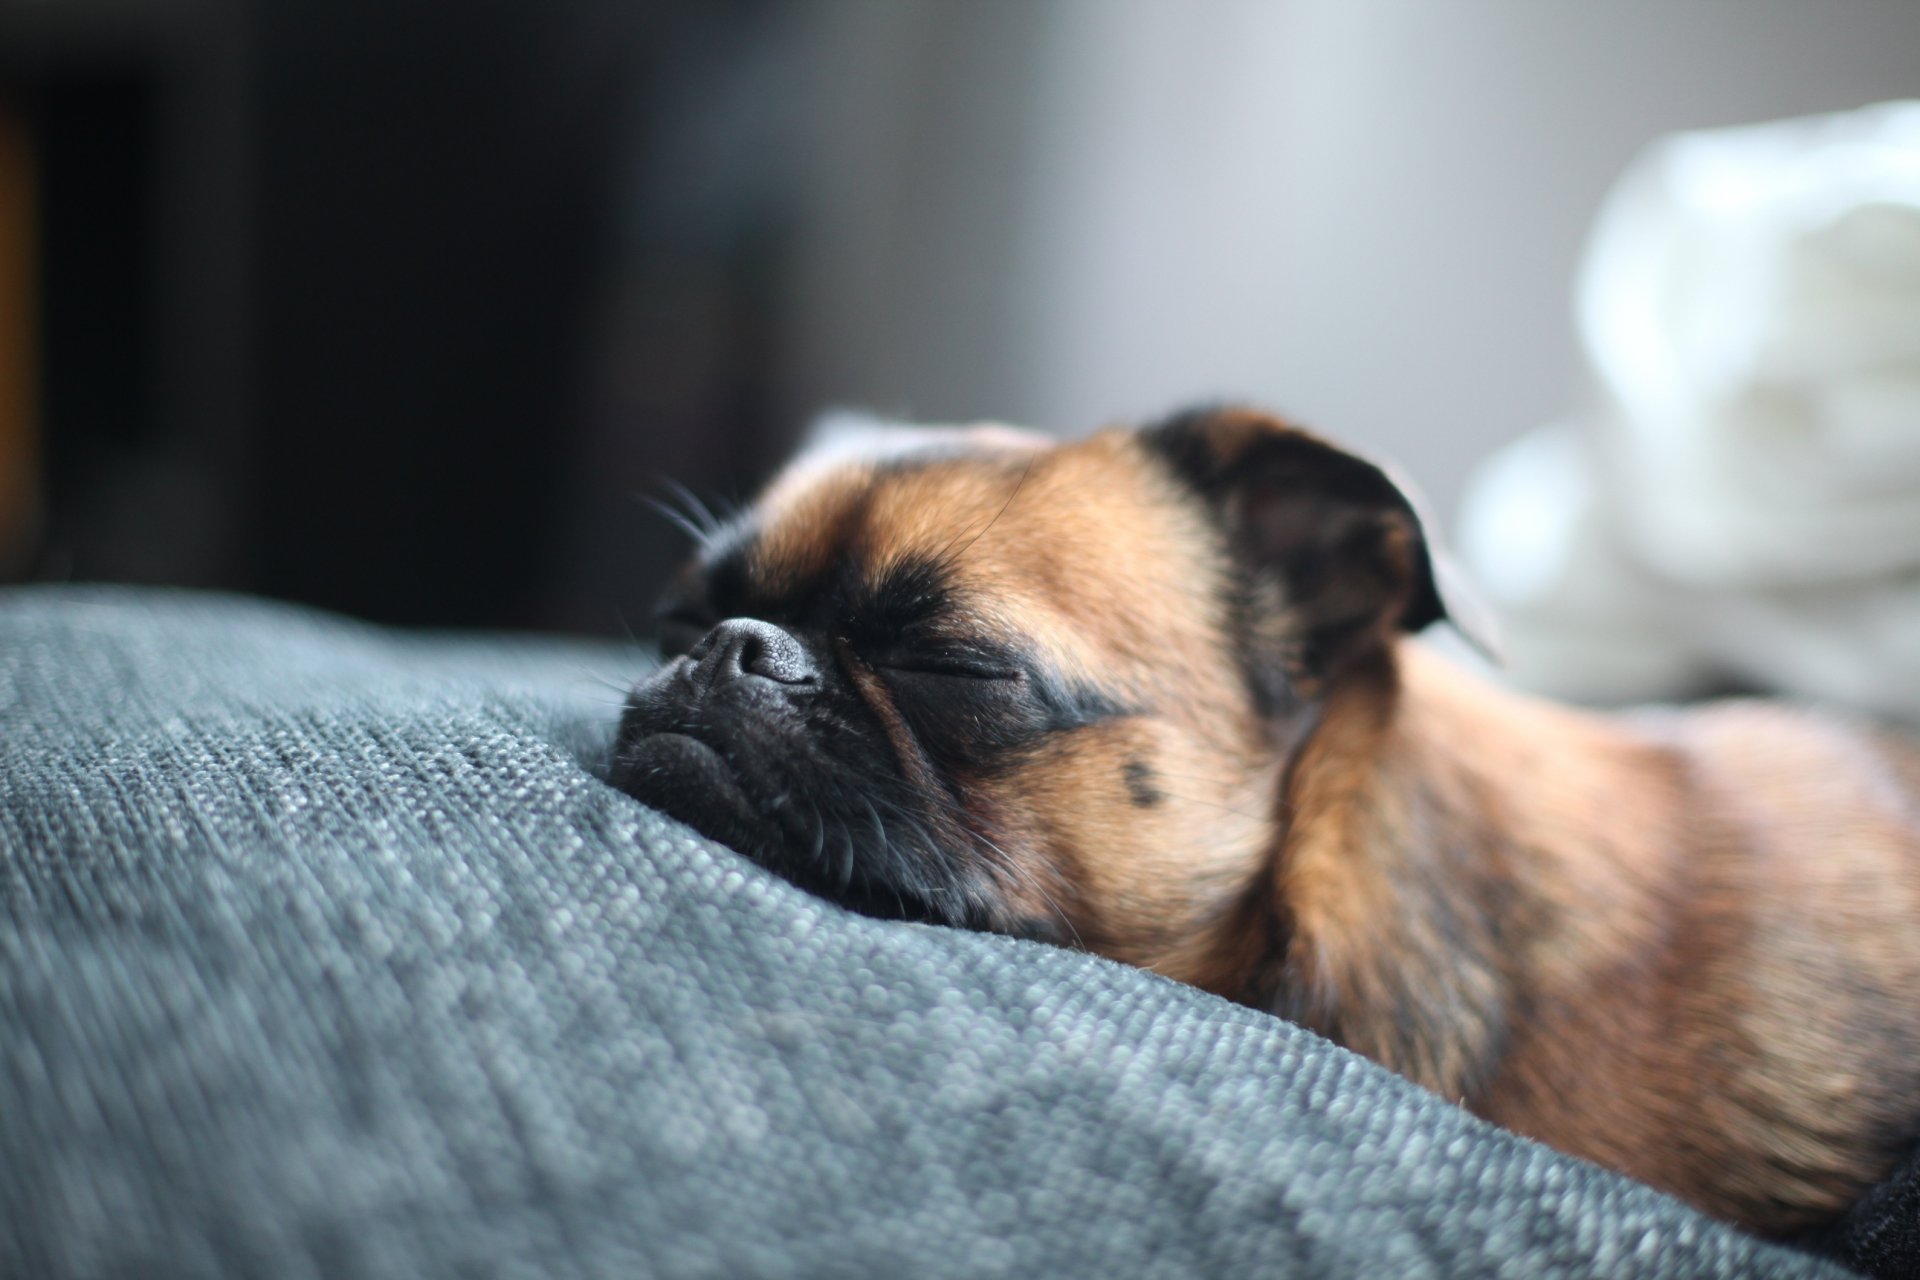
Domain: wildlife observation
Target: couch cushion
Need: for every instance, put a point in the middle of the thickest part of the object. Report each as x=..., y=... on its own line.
x=325, y=951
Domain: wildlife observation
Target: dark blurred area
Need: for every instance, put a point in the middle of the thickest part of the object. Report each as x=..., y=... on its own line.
x=405, y=310
x=318, y=300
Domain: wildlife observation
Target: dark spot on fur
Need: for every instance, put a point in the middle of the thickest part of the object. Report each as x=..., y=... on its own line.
x=1142, y=786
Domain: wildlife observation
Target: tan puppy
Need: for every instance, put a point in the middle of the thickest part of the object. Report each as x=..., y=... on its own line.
x=1150, y=694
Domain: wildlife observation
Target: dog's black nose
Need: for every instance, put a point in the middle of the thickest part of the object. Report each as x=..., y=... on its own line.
x=749, y=647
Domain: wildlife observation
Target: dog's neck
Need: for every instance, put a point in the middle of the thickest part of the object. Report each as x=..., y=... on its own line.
x=1439, y=875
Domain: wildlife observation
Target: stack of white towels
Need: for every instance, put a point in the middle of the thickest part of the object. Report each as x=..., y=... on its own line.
x=1744, y=507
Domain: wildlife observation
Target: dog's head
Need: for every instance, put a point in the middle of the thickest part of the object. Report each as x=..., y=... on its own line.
x=1041, y=689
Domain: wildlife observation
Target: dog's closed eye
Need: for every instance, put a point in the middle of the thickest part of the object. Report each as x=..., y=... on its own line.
x=950, y=664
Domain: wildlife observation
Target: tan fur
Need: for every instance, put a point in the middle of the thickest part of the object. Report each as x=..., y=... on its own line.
x=1686, y=946
x=1706, y=965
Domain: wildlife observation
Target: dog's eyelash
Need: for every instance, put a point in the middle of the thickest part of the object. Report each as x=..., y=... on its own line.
x=959, y=664
x=952, y=670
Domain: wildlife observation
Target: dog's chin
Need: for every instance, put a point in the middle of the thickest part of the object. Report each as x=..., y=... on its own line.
x=692, y=781
x=686, y=779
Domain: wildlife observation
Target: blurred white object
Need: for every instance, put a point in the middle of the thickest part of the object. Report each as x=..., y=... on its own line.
x=1748, y=501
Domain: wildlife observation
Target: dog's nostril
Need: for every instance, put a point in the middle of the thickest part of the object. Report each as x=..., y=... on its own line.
x=755, y=648
x=777, y=656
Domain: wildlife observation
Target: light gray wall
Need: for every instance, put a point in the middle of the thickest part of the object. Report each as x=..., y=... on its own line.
x=1364, y=212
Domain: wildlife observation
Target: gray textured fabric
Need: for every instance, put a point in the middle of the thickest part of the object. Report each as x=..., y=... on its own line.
x=324, y=953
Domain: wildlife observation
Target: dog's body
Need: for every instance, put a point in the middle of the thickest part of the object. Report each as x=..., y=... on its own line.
x=1149, y=694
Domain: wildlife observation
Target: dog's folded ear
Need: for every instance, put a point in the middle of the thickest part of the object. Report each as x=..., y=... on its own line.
x=1336, y=553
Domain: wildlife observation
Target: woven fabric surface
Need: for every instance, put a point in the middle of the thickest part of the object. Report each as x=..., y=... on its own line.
x=326, y=952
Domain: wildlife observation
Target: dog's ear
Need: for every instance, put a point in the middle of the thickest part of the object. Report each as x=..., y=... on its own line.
x=1335, y=554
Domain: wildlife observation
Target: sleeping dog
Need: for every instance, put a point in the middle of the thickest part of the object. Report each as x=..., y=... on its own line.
x=1152, y=694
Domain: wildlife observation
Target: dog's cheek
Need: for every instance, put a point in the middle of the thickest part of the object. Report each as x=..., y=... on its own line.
x=1147, y=829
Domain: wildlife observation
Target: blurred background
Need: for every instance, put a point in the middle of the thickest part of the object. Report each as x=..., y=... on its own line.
x=403, y=309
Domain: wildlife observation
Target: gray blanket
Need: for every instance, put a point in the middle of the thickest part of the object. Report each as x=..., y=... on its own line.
x=324, y=952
